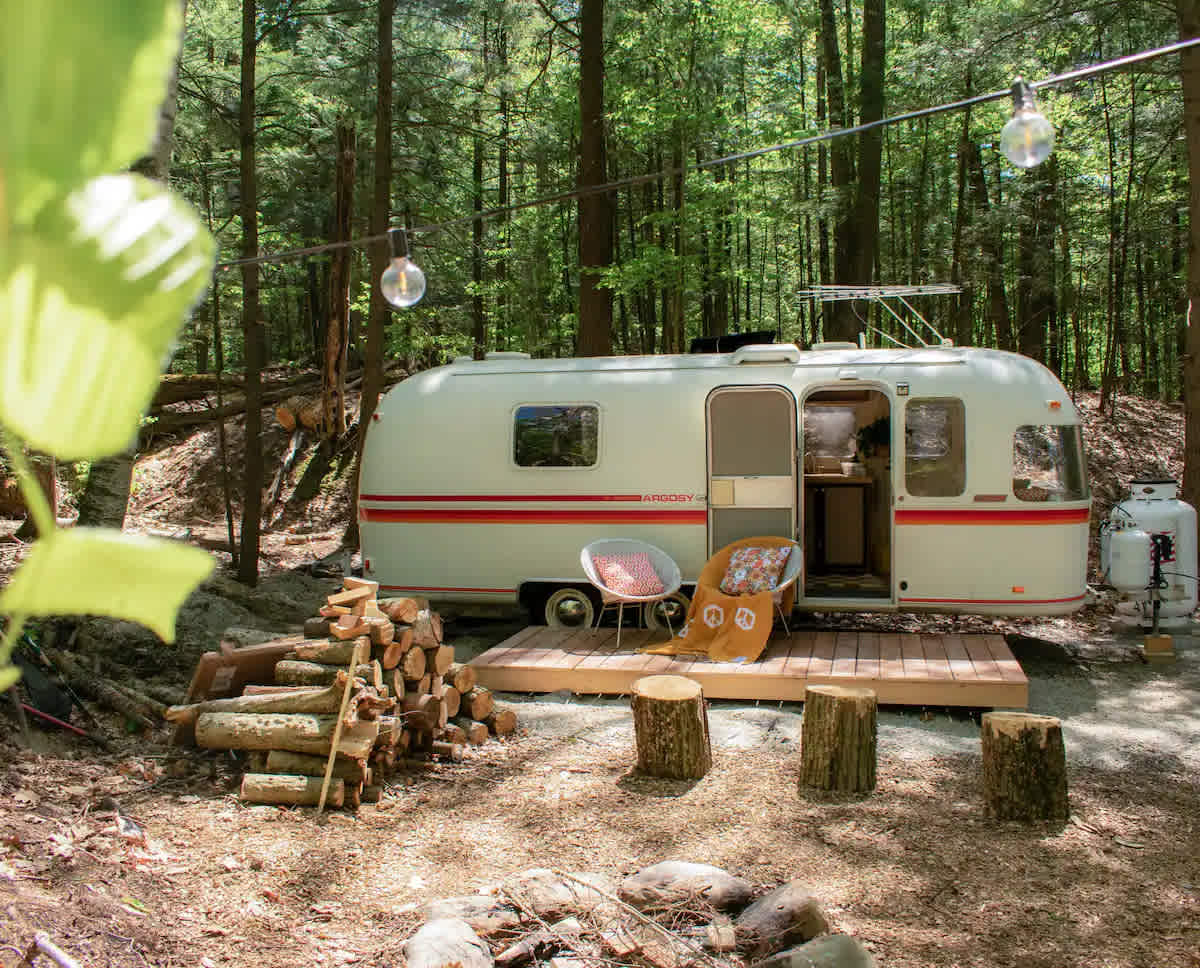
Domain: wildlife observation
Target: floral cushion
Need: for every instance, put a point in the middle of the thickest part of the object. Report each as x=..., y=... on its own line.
x=629, y=575
x=753, y=570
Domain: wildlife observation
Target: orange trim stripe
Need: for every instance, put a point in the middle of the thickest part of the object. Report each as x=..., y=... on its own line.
x=992, y=601
x=978, y=516
x=532, y=516
x=467, y=498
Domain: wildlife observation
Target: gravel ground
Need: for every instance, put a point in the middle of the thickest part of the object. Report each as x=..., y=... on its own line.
x=1114, y=713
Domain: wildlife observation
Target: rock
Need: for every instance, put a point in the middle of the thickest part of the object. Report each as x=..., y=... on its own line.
x=788, y=914
x=446, y=943
x=550, y=896
x=831, y=951
x=674, y=881
x=486, y=914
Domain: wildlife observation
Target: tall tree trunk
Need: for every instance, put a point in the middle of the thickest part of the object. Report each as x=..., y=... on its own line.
x=823, y=252
x=338, y=335
x=1035, y=261
x=866, y=231
x=252, y=476
x=840, y=323
x=595, y=210
x=106, y=495
x=380, y=254
x=1189, y=26
x=962, y=216
x=478, y=321
x=502, y=321
x=997, y=297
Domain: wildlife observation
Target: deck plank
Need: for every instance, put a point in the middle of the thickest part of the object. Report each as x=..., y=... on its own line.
x=867, y=666
x=975, y=670
x=937, y=663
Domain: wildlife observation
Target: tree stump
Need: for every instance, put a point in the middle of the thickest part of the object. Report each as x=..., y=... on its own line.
x=1024, y=767
x=838, y=739
x=670, y=723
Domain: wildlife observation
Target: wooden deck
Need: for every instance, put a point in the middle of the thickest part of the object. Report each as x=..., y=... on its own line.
x=904, y=669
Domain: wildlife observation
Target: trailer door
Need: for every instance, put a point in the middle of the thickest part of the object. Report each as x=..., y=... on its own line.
x=751, y=464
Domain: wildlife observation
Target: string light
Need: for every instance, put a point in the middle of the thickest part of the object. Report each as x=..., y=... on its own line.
x=402, y=282
x=1030, y=134
x=1028, y=138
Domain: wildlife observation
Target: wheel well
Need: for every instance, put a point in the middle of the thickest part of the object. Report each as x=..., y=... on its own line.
x=533, y=595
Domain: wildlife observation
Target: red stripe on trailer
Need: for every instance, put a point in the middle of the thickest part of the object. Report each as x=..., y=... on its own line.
x=976, y=516
x=435, y=588
x=993, y=601
x=532, y=516
x=466, y=498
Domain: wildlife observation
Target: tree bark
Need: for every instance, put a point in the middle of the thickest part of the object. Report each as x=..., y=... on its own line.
x=252, y=475
x=297, y=732
x=839, y=321
x=670, y=724
x=838, y=743
x=1189, y=26
x=866, y=216
x=338, y=336
x=301, y=701
x=595, y=210
x=1024, y=767
x=301, y=791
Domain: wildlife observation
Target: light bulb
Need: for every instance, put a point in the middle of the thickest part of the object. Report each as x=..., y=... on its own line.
x=402, y=283
x=1028, y=138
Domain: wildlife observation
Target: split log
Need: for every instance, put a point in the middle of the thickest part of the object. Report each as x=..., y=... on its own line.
x=348, y=596
x=316, y=628
x=353, y=581
x=478, y=703
x=439, y=659
x=838, y=739
x=461, y=676
x=830, y=951
x=447, y=943
x=412, y=664
x=297, y=672
x=422, y=712
x=501, y=722
x=786, y=915
x=671, y=883
x=381, y=630
x=305, y=764
x=333, y=612
x=452, y=699
x=90, y=684
x=348, y=626
x=303, y=700
x=285, y=467
x=402, y=610
x=334, y=653
x=393, y=681
x=395, y=650
x=297, y=732
x=1024, y=767
x=301, y=791
x=453, y=734
x=449, y=751
x=390, y=728
x=670, y=723
x=255, y=689
x=485, y=913
x=419, y=686
x=476, y=732
x=427, y=633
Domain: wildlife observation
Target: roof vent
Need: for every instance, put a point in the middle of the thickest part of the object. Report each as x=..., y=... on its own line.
x=833, y=345
x=767, y=353
x=506, y=355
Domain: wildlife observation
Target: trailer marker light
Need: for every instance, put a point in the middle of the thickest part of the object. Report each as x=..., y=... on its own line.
x=1054, y=404
x=1018, y=589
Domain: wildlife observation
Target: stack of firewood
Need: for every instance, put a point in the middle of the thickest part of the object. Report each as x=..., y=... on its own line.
x=372, y=676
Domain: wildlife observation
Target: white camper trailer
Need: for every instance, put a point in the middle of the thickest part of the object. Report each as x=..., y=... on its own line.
x=933, y=478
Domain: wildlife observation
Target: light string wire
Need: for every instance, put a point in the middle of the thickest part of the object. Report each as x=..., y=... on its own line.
x=1091, y=71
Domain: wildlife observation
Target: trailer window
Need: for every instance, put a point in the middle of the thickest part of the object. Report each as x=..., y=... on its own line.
x=1048, y=463
x=556, y=436
x=935, y=454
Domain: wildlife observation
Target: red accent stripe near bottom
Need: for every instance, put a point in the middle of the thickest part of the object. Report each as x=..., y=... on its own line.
x=533, y=516
x=993, y=601
x=434, y=588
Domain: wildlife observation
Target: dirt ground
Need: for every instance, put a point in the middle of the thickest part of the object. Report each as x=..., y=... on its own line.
x=184, y=875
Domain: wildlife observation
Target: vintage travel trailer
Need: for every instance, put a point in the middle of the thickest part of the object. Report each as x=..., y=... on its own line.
x=931, y=478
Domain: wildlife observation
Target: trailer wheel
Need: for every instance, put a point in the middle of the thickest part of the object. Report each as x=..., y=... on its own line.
x=570, y=608
x=674, y=606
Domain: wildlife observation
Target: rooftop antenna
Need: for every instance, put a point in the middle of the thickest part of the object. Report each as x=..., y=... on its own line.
x=880, y=294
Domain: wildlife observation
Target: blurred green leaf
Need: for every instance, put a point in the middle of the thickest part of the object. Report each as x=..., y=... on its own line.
x=99, y=571
x=8, y=677
x=80, y=89
x=93, y=294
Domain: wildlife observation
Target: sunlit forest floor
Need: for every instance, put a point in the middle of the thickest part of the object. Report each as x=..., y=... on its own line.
x=913, y=871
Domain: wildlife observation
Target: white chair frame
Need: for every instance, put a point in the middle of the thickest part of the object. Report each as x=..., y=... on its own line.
x=662, y=563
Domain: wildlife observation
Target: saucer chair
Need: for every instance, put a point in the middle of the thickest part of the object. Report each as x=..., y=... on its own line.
x=784, y=592
x=624, y=572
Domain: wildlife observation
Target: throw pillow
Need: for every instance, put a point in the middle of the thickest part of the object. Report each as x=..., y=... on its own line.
x=754, y=570
x=630, y=575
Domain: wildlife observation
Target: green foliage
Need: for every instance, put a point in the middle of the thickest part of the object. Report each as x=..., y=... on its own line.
x=97, y=271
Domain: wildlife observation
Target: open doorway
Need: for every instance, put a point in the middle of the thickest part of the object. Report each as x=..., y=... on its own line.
x=847, y=494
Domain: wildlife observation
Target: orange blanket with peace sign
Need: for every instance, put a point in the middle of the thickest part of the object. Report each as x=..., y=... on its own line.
x=728, y=628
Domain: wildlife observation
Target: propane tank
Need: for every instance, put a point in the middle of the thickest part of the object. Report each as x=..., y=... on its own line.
x=1135, y=528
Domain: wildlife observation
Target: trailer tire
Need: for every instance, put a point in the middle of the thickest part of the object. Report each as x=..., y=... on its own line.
x=655, y=620
x=569, y=607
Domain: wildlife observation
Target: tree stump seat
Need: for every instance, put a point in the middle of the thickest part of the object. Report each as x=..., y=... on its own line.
x=670, y=724
x=838, y=739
